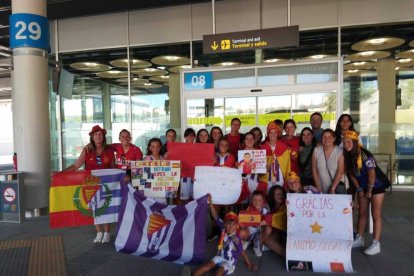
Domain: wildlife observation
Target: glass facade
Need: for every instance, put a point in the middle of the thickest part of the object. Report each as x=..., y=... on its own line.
x=148, y=103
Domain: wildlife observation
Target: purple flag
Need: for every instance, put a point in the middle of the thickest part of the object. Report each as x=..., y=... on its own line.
x=154, y=230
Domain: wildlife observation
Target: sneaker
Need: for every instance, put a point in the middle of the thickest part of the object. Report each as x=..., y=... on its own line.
x=375, y=248
x=358, y=241
x=257, y=248
x=106, y=238
x=186, y=271
x=257, y=251
x=245, y=245
x=98, y=238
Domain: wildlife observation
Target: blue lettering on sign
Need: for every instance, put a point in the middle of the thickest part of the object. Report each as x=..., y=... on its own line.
x=198, y=80
x=29, y=30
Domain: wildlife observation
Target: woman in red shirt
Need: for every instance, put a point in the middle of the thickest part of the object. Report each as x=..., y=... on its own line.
x=100, y=157
x=292, y=142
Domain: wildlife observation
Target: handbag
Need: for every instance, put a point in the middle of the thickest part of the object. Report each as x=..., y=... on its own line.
x=382, y=177
x=341, y=187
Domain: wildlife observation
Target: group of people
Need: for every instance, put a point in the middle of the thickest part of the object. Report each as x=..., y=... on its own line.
x=317, y=161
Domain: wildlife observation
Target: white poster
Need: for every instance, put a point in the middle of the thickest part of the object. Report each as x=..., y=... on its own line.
x=224, y=184
x=157, y=178
x=252, y=161
x=320, y=233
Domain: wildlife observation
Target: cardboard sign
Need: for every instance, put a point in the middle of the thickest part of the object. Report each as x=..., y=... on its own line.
x=320, y=233
x=191, y=155
x=158, y=178
x=252, y=161
x=224, y=184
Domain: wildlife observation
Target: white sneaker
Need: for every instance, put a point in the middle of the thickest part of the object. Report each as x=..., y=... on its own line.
x=245, y=245
x=106, y=238
x=257, y=251
x=375, y=248
x=98, y=238
x=358, y=242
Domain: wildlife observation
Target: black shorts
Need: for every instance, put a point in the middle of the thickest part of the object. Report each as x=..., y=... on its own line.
x=376, y=191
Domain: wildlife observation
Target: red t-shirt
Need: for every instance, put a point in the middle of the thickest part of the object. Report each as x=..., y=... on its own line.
x=293, y=146
x=234, y=143
x=123, y=160
x=92, y=161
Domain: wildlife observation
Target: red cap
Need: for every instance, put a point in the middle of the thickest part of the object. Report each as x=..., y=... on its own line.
x=97, y=128
x=231, y=216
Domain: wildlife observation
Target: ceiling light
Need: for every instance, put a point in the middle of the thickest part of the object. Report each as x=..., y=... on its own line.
x=272, y=60
x=176, y=69
x=317, y=56
x=377, y=41
x=161, y=67
x=90, y=66
x=112, y=74
x=225, y=63
x=148, y=72
x=361, y=63
x=170, y=60
x=134, y=63
x=367, y=53
x=353, y=71
x=404, y=60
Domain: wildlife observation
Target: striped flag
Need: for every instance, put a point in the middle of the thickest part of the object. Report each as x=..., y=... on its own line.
x=154, y=230
x=85, y=197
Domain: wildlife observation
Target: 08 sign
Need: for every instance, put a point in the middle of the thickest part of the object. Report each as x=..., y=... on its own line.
x=29, y=30
x=198, y=80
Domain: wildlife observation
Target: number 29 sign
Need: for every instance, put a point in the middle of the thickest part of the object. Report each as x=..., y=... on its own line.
x=29, y=30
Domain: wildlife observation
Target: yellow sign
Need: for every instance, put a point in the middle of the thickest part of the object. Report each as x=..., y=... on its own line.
x=214, y=46
x=225, y=44
x=205, y=121
x=262, y=120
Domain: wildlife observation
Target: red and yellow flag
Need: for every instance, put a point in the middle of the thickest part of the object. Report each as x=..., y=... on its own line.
x=249, y=218
x=70, y=194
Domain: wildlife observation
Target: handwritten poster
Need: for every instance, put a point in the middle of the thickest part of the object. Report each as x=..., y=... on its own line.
x=252, y=161
x=224, y=184
x=158, y=178
x=191, y=155
x=319, y=233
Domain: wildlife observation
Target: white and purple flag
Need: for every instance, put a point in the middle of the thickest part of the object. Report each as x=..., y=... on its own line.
x=154, y=230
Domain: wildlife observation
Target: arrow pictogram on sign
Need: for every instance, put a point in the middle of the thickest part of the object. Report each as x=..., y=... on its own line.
x=214, y=46
x=225, y=44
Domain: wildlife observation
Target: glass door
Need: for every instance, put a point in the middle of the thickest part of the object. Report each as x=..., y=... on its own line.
x=243, y=108
x=205, y=113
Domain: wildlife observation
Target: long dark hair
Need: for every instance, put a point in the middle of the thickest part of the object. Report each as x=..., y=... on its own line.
x=149, y=144
x=338, y=130
x=301, y=143
x=210, y=139
x=351, y=157
x=93, y=142
x=271, y=199
x=199, y=133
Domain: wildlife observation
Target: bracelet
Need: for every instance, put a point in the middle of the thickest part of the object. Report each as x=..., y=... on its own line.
x=370, y=186
x=360, y=189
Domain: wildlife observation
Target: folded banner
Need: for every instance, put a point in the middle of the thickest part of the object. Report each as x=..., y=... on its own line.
x=191, y=155
x=85, y=197
x=319, y=236
x=154, y=230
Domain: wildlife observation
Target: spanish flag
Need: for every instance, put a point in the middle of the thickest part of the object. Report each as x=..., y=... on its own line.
x=85, y=197
x=249, y=218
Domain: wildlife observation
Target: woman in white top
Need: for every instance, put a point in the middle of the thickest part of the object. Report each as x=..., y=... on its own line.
x=328, y=164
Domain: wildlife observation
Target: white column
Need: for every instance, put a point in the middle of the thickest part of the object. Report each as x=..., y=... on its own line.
x=31, y=127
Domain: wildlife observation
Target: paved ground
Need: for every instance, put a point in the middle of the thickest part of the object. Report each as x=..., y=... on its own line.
x=85, y=258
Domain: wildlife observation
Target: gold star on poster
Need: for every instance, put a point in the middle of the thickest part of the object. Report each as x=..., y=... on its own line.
x=316, y=228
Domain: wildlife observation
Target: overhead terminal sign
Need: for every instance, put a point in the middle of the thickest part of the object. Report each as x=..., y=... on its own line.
x=250, y=40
